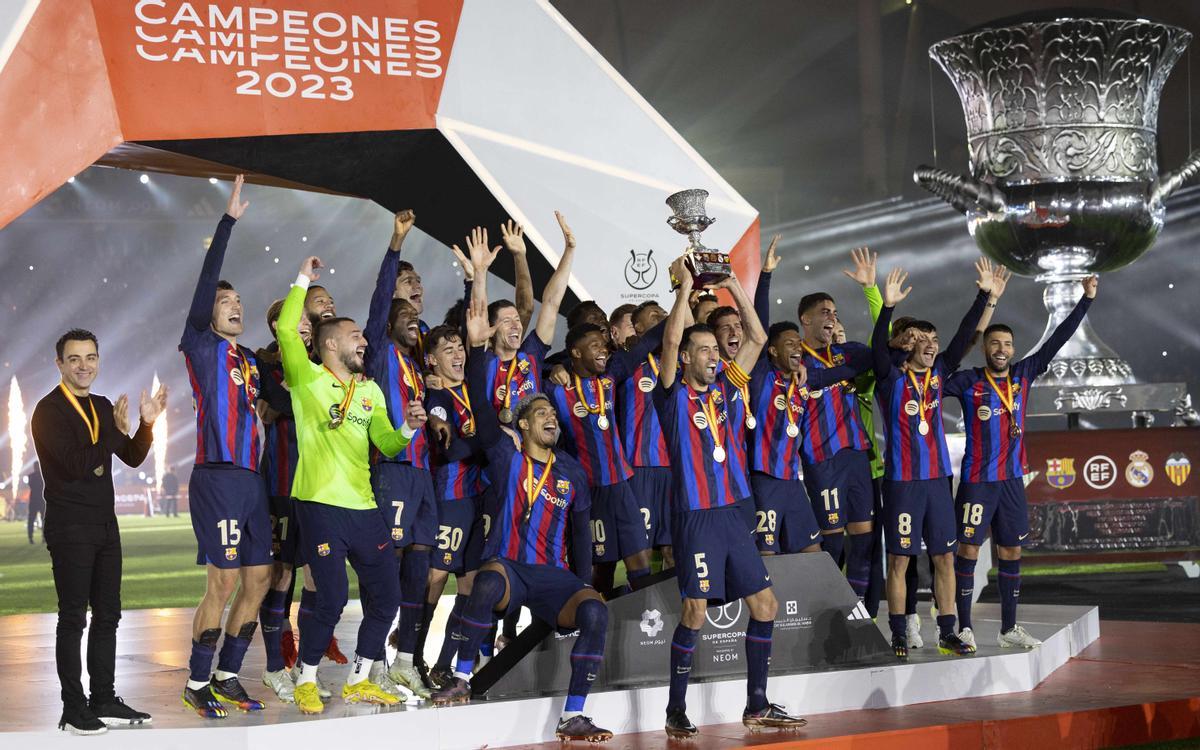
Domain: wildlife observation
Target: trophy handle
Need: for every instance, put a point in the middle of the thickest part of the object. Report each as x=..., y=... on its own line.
x=673, y=221
x=1167, y=184
x=959, y=191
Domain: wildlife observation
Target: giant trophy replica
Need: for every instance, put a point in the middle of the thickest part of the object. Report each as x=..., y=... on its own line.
x=706, y=265
x=1061, y=125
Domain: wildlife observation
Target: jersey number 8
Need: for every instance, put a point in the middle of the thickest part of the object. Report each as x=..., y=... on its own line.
x=904, y=524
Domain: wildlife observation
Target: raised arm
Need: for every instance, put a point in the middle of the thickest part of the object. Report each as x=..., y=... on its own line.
x=752, y=327
x=1066, y=329
x=200, y=313
x=952, y=357
x=676, y=323
x=556, y=287
x=298, y=369
x=894, y=291
x=623, y=363
x=385, y=284
x=762, y=292
x=487, y=425
x=513, y=235
x=1000, y=277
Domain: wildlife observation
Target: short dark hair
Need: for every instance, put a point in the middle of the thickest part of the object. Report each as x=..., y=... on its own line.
x=273, y=314
x=398, y=304
x=325, y=329
x=996, y=328
x=924, y=326
x=456, y=315
x=809, y=301
x=721, y=312
x=581, y=311
x=620, y=312
x=75, y=334
x=637, y=311
x=578, y=332
x=691, y=331
x=778, y=329
x=495, y=308
x=902, y=324
x=403, y=266
x=310, y=288
x=441, y=333
x=526, y=403
x=224, y=286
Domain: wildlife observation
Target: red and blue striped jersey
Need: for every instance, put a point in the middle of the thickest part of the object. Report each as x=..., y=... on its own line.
x=399, y=375
x=597, y=451
x=911, y=455
x=992, y=453
x=832, y=421
x=772, y=399
x=279, y=455
x=224, y=376
x=641, y=431
x=458, y=473
x=701, y=481
x=525, y=379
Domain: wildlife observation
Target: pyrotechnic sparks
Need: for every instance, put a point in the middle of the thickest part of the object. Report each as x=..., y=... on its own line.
x=160, y=440
x=16, y=434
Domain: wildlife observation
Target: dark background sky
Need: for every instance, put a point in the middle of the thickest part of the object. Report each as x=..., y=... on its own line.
x=770, y=92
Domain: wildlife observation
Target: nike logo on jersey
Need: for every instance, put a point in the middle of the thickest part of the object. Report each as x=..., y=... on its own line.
x=1022, y=537
x=382, y=546
x=951, y=542
x=814, y=536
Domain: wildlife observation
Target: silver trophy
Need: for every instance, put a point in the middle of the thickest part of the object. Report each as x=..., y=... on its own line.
x=706, y=265
x=1061, y=125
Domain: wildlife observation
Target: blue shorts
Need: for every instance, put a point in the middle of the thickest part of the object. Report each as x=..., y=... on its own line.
x=230, y=516
x=748, y=511
x=840, y=489
x=404, y=493
x=715, y=556
x=545, y=589
x=651, y=486
x=618, y=529
x=919, y=509
x=784, y=520
x=999, y=505
x=284, y=529
x=459, y=546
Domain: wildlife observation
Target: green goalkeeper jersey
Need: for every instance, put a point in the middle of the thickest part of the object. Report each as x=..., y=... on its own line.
x=334, y=466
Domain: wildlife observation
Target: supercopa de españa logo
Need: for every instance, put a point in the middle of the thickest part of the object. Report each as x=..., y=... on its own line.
x=640, y=270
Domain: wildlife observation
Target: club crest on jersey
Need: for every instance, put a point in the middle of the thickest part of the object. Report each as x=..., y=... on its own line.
x=935, y=382
x=1178, y=468
x=769, y=540
x=447, y=558
x=579, y=410
x=1060, y=472
x=323, y=549
x=1139, y=472
x=523, y=365
x=969, y=532
x=833, y=518
x=984, y=413
x=231, y=553
x=562, y=486
x=599, y=550
x=645, y=385
x=700, y=420
x=717, y=396
x=366, y=404
x=839, y=359
x=905, y=542
x=704, y=585
x=397, y=534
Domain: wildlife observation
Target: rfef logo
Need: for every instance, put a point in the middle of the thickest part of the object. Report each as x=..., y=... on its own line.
x=640, y=270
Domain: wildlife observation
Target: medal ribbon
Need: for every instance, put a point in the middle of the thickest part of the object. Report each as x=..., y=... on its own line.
x=411, y=376
x=533, y=492
x=464, y=400
x=787, y=407
x=1006, y=397
x=600, y=407
x=93, y=424
x=653, y=364
x=921, y=391
x=744, y=391
x=710, y=411
x=827, y=360
x=508, y=379
x=244, y=366
x=346, y=400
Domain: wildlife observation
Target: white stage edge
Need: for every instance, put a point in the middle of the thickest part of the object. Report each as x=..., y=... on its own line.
x=1065, y=631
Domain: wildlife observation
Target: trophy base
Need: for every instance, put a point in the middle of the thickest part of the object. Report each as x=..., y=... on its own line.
x=709, y=268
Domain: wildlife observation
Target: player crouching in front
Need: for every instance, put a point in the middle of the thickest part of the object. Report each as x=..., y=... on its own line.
x=543, y=504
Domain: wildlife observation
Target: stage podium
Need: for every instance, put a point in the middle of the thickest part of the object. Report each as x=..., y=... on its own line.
x=821, y=624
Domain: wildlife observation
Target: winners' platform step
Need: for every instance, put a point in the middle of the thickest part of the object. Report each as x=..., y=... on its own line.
x=152, y=659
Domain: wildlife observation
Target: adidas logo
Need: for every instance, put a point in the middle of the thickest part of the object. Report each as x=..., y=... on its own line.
x=859, y=612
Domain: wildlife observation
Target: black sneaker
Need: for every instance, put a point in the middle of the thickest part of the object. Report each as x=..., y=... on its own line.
x=457, y=690
x=231, y=691
x=900, y=647
x=581, y=728
x=81, y=720
x=204, y=703
x=680, y=726
x=953, y=645
x=771, y=717
x=423, y=671
x=439, y=677
x=115, y=713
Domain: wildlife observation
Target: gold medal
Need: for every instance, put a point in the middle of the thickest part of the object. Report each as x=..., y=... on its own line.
x=1015, y=431
x=1008, y=399
x=506, y=415
x=582, y=408
x=337, y=412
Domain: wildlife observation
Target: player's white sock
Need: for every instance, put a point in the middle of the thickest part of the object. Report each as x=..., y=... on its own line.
x=570, y=715
x=405, y=660
x=196, y=684
x=222, y=675
x=308, y=673
x=360, y=670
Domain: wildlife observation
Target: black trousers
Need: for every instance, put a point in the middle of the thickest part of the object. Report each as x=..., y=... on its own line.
x=87, y=571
